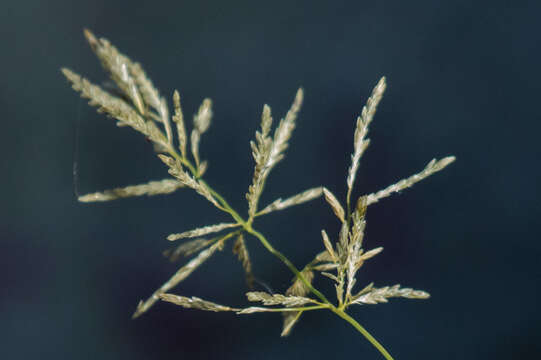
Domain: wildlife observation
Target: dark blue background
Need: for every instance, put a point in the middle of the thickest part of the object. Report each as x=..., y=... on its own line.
x=463, y=79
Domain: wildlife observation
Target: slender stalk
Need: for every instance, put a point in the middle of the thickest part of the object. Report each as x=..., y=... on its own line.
x=363, y=331
x=225, y=204
x=226, y=207
x=288, y=263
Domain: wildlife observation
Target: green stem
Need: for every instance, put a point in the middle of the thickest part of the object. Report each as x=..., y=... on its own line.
x=363, y=331
x=225, y=204
x=288, y=263
x=226, y=207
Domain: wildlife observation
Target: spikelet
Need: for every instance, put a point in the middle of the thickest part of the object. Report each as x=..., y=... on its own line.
x=187, y=249
x=261, y=152
x=369, y=254
x=150, y=94
x=432, y=167
x=267, y=153
x=201, y=122
x=259, y=309
x=240, y=249
x=334, y=204
x=359, y=142
x=290, y=320
x=298, y=288
x=132, y=81
x=284, y=130
x=354, y=251
x=180, y=275
x=342, y=248
x=328, y=246
x=195, y=303
x=165, y=186
x=203, y=166
x=380, y=295
x=178, y=119
x=330, y=276
x=298, y=199
x=325, y=267
x=278, y=299
x=201, y=231
x=193, y=246
x=254, y=309
x=114, y=107
x=119, y=68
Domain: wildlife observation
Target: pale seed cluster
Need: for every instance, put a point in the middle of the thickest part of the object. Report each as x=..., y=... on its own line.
x=141, y=107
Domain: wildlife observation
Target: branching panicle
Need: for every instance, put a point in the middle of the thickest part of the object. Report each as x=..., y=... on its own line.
x=141, y=107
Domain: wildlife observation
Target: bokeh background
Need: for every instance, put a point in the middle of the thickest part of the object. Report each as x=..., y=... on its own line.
x=463, y=79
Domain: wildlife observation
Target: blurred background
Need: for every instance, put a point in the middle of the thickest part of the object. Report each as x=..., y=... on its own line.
x=463, y=79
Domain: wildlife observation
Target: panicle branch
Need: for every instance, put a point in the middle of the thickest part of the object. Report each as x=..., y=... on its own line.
x=298, y=199
x=115, y=107
x=432, y=167
x=361, y=130
x=132, y=81
x=195, y=303
x=201, y=231
x=180, y=275
x=165, y=186
x=278, y=299
x=268, y=152
x=380, y=295
x=119, y=67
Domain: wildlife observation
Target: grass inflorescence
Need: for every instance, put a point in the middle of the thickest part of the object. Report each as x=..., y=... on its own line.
x=141, y=107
